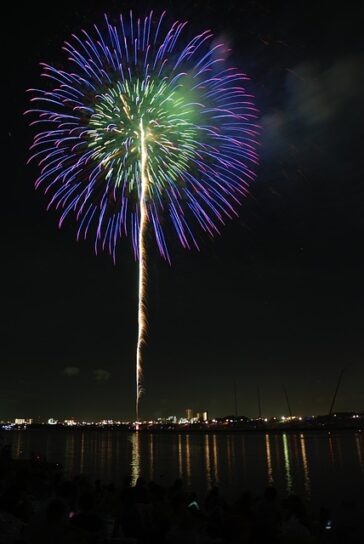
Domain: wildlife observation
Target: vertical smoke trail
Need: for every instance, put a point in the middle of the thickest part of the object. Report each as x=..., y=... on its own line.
x=142, y=323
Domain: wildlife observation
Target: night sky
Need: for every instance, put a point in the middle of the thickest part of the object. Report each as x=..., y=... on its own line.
x=276, y=301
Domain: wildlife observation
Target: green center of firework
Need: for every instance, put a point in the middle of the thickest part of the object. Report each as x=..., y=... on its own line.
x=169, y=131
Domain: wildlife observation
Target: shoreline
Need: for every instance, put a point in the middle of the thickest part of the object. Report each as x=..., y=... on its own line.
x=190, y=429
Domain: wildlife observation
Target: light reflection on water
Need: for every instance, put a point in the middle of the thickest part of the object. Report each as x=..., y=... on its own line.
x=306, y=470
x=188, y=460
x=269, y=460
x=331, y=451
x=69, y=457
x=180, y=466
x=207, y=460
x=135, y=457
x=216, y=462
x=82, y=452
x=359, y=449
x=287, y=463
x=151, y=456
x=228, y=455
x=315, y=465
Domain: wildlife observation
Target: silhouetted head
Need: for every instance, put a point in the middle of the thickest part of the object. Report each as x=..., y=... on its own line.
x=67, y=490
x=294, y=506
x=270, y=493
x=214, y=491
x=56, y=511
x=140, y=482
x=178, y=484
x=245, y=499
x=127, y=481
x=86, y=502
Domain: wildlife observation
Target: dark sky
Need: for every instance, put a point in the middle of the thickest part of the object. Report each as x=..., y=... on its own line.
x=277, y=300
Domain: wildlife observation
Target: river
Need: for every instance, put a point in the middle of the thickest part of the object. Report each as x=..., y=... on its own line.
x=322, y=468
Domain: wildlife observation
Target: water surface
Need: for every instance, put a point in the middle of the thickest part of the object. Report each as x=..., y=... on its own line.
x=322, y=468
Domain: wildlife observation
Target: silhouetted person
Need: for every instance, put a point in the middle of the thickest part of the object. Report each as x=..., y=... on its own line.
x=50, y=526
x=213, y=500
x=295, y=527
x=176, y=489
x=348, y=526
x=87, y=520
x=128, y=519
x=141, y=492
x=267, y=517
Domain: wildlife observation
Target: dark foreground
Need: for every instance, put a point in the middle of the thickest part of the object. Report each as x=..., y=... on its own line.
x=38, y=505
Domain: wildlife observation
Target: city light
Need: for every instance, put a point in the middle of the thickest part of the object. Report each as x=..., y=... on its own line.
x=197, y=421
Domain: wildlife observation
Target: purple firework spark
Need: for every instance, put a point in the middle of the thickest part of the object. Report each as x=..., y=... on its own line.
x=140, y=130
x=136, y=101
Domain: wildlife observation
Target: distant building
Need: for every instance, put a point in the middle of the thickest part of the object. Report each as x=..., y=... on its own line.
x=189, y=414
x=20, y=421
x=69, y=422
x=52, y=421
x=202, y=416
x=183, y=421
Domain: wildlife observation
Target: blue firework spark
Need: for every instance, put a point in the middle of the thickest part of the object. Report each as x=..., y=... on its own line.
x=131, y=90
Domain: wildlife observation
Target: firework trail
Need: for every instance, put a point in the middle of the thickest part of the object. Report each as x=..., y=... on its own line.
x=142, y=265
x=145, y=129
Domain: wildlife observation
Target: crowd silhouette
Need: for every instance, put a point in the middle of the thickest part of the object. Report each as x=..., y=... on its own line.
x=38, y=506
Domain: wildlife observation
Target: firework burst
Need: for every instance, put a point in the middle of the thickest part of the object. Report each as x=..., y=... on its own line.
x=142, y=127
